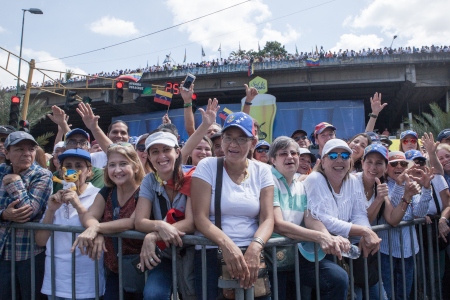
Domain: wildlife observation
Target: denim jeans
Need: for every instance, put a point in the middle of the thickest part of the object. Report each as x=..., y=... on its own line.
x=112, y=289
x=286, y=286
x=374, y=292
x=61, y=298
x=212, y=276
x=333, y=279
x=159, y=281
x=398, y=277
x=23, y=278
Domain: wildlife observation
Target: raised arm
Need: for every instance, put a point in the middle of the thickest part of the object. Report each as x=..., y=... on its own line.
x=189, y=122
x=377, y=107
x=431, y=146
x=250, y=94
x=59, y=117
x=208, y=118
x=91, y=122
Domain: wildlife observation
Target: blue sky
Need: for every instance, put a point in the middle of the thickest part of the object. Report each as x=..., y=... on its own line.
x=71, y=27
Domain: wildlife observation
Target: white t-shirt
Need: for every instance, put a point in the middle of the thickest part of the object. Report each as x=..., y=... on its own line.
x=99, y=159
x=84, y=266
x=240, y=204
x=439, y=184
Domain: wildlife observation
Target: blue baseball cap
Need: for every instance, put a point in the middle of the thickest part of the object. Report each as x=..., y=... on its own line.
x=377, y=148
x=262, y=143
x=78, y=131
x=374, y=138
x=75, y=153
x=242, y=121
x=414, y=154
x=443, y=134
x=408, y=132
x=307, y=250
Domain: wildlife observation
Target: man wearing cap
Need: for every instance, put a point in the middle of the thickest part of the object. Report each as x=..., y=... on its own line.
x=24, y=192
x=261, y=151
x=444, y=136
x=301, y=137
x=323, y=132
x=78, y=138
x=5, y=130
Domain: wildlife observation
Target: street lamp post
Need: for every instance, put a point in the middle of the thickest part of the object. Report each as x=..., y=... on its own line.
x=392, y=41
x=35, y=11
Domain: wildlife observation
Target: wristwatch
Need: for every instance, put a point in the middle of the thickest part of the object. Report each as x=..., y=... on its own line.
x=373, y=116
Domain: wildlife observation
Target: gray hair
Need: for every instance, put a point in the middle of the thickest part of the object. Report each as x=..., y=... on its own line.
x=282, y=142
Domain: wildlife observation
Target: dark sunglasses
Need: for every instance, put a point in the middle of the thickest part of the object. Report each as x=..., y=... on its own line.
x=140, y=147
x=420, y=162
x=335, y=155
x=262, y=150
x=406, y=141
x=297, y=138
x=403, y=164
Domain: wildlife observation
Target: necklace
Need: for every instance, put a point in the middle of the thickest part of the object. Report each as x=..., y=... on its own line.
x=367, y=192
x=246, y=172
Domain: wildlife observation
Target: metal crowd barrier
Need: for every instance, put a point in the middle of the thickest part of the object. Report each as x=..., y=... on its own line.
x=420, y=262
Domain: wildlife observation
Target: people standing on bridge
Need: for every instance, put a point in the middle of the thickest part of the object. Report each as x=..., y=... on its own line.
x=24, y=192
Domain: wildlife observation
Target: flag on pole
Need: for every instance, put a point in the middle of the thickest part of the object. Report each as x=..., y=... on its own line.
x=317, y=50
x=296, y=50
x=259, y=48
x=250, y=67
x=239, y=46
x=203, y=52
x=220, y=48
x=147, y=63
x=163, y=97
x=312, y=62
x=158, y=62
x=224, y=113
x=167, y=59
x=184, y=60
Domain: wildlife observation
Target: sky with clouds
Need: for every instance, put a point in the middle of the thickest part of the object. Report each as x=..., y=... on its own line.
x=71, y=27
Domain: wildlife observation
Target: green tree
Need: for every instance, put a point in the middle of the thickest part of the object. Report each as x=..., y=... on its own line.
x=68, y=75
x=432, y=122
x=274, y=48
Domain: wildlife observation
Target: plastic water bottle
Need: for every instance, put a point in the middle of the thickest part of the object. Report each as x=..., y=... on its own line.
x=353, y=253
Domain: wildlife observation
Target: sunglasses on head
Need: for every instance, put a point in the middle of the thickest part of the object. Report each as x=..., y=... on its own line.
x=262, y=150
x=420, y=162
x=140, y=147
x=403, y=164
x=335, y=155
x=412, y=141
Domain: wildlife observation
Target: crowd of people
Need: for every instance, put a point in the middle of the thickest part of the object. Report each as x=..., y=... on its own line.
x=226, y=185
x=170, y=65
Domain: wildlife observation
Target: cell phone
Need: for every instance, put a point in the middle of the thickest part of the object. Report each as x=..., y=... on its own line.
x=137, y=261
x=188, y=81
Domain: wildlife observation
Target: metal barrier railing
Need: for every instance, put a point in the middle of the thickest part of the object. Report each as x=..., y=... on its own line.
x=419, y=280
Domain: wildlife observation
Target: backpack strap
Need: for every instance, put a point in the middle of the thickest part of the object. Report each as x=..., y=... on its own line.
x=218, y=193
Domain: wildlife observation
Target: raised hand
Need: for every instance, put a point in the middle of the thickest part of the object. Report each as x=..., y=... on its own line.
x=58, y=116
x=382, y=189
x=166, y=119
x=423, y=176
x=88, y=116
x=250, y=93
x=428, y=142
x=411, y=187
x=209, y=116
x=375, y=103
x=186, y=95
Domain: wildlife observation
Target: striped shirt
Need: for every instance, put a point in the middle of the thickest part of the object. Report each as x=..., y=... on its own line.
x=417, y=209
x=34, y=189
x=291, y=199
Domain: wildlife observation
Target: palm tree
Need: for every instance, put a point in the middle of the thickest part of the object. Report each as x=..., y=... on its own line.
x=68, y=75
x=432, y=122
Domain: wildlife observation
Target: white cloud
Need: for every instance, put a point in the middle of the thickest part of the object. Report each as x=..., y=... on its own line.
x=2, y=29
x=113, y=27
x=7, y=79
x=357, y=42
x=229, y=27
x=420, y=22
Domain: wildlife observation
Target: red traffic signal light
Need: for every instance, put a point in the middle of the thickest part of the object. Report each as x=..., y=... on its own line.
x=15, y=100
x=194, y=96
x=119, y=85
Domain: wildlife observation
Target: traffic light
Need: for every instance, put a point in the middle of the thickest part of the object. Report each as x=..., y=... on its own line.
x=119, y=92
x=24, y=126
x=194, y=96
x=70, y=97
x=14, y=111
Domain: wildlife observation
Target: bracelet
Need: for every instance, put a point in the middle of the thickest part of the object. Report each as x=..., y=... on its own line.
x=259, y=241
x=247, y=103
x=373, y=115
x=443, y=218
x=186, y=105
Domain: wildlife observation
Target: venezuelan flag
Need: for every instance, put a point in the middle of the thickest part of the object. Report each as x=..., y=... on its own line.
x=312, y=62
x=224, y=113
x=163, y=97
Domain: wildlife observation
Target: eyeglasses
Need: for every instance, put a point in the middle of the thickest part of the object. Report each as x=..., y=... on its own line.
x=262, y=150
x=240, y=140
x=140, y=147
x=82, y=143
x=412, y=141
x=335, y=155
x=124, y=144
x=403, y=164
x=300, y=137
x=286, y=154
x=420, y=162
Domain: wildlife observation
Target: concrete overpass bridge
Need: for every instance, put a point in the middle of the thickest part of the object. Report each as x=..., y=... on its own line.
x=408, y=82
